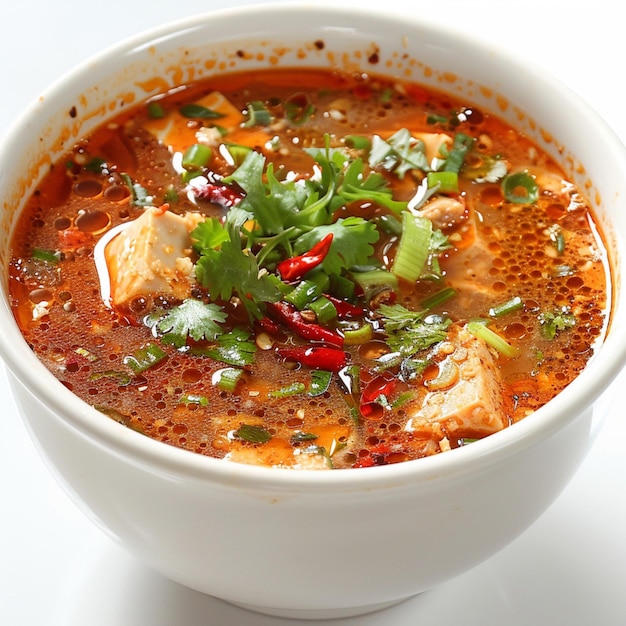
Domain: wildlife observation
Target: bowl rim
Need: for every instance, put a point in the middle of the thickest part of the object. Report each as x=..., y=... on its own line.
x=22, y=362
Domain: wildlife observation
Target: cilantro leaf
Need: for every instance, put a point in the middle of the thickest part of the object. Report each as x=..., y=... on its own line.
x=555, y=322
x=209, y=234
x=353, y=239
x=400, y=153
x=193, y=318
x=231, y=270
x=271, y=205
x=408, y=331
x=233, y=348
x=373, y=188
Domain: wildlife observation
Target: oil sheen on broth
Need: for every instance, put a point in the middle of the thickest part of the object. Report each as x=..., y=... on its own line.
x=310, y=269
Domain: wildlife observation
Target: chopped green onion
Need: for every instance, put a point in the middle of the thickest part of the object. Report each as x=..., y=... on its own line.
x=302, y=437
x=48, y=256
x=558, y=238
x=436, y=119
x=238, y=152
x=514, y=304
x=358, y=142
x=386, y=95
x=194, y=399
x=438, y=298
x=196, y=156
x=252, y=434
x=389, y=224
x=139, y=195
x=413, y=248
x=171, y=195
x=373, y=282
x=298, y=109
x=320, y=381
x=403, y=399
x=227, y=378
x=308, y=290
x=444, y=182
x=86, y=354
x=520, y=188
x=479, y=329
x=324, y=309
x=122, y=378
x=155, y=110
x=358, y=336
x=285, y=392
x=460, y=147
x=199, y=111
x=258, y=114
x=552, y=323
x=144, y=358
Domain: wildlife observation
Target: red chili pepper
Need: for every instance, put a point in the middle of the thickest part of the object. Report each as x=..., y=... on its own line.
x=316, y=357
x=379, y=386
x=346, y=309
x=298, y=266
x=221, y=194
x=377, y=455
x=288, y=315
x=268, y=325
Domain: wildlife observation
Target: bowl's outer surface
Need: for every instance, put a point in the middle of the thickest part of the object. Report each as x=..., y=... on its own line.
x=311, y=544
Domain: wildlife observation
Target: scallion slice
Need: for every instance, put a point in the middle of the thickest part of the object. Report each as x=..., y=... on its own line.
x=479, y=329
x=48, y=256
x=290, y=390
x=520, y=188
x=252, y=434
x=324, y=309
x=438, y=298
x=444, y=182
x=514, y=304
x=358, y=336
x=227, y=378
x=196, y=156
x=258, y=114
x=198, y=111
x=306, y=291
x=320, y=381
x=460, y=147
x=144, y=358
x=413, y=248
x=156, y=110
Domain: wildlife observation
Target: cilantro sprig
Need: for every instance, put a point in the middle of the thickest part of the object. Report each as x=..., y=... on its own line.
x=193, y=319
x=409, y=332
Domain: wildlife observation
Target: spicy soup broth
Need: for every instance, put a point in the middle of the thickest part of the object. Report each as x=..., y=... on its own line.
x=302, y=268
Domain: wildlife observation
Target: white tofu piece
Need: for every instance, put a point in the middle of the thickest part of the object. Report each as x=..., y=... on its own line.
x=472, y=403
x=151, y=257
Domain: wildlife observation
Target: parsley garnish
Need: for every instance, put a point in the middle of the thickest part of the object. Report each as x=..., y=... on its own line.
x=231, y=270
x=555, y=322
x=408, y=331
x=193, y=319
x=233, y=348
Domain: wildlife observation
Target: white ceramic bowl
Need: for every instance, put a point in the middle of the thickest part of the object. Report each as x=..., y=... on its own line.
x=313, y=544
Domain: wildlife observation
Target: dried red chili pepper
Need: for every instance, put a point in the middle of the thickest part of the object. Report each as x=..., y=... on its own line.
x=316, y=357
x=379, y=386
x=346, y=309
x=287, y=314
x=297, y=266
x=224, y=195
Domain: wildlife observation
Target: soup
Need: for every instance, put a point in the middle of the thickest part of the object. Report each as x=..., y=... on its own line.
x=310, y=269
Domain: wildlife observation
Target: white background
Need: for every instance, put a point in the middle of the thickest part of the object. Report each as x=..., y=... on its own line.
x=57, y=569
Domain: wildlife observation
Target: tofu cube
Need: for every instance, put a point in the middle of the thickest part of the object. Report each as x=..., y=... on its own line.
x=151, y=257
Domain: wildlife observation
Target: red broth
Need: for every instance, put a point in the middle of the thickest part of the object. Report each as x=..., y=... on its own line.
x=294, y=330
